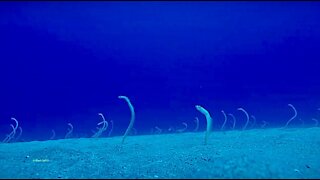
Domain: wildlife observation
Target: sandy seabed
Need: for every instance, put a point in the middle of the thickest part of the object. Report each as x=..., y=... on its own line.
x=257, y=153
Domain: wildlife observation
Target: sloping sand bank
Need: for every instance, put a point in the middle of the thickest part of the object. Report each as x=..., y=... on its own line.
x=265, y=153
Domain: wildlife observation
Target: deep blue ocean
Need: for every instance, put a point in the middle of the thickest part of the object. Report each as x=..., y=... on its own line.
x=65, y=62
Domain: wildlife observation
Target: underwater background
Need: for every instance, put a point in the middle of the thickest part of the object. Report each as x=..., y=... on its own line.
x=65, y=62
x=170, y=69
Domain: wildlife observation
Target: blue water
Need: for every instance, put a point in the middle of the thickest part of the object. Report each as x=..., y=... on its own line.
x=65, y=62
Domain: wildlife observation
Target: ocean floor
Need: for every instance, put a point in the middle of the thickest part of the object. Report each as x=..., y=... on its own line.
x=257, y=153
